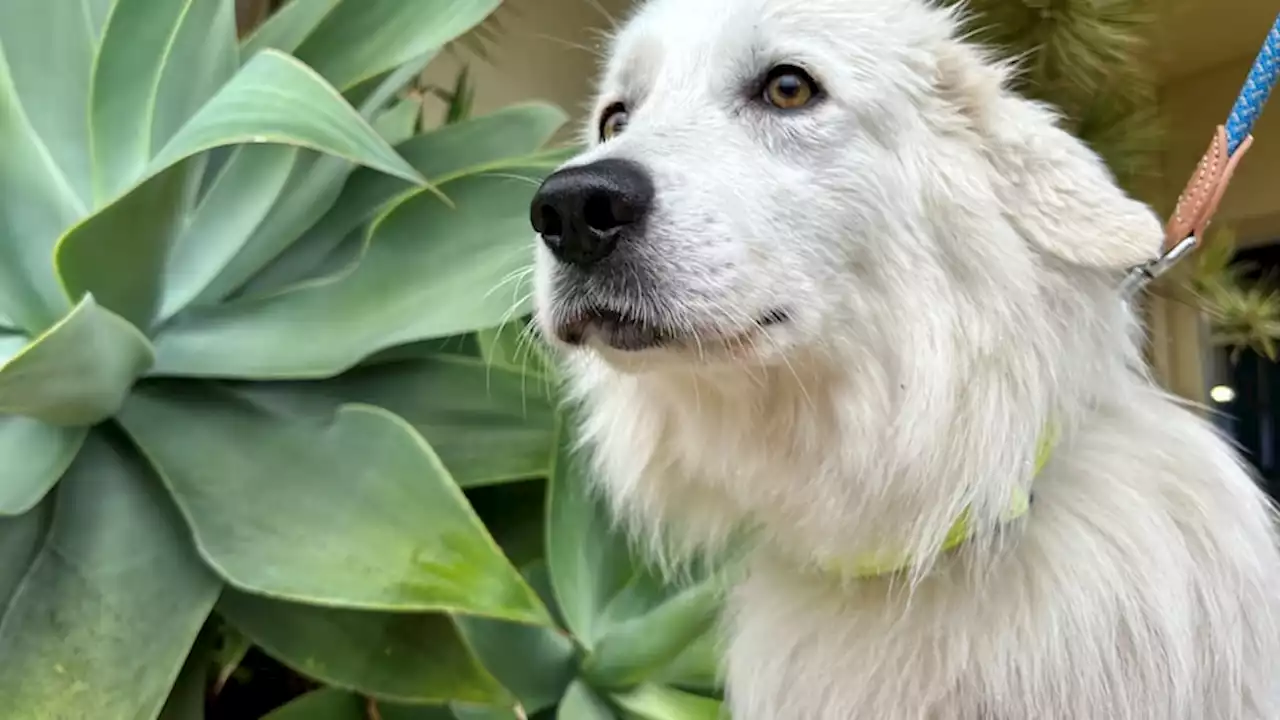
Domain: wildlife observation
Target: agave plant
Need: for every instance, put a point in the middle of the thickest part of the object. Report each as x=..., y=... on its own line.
x=249, y=366
x=623, y=644
x=1241, y=313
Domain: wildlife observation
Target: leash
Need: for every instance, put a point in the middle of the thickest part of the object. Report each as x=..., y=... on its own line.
x=1199, y=200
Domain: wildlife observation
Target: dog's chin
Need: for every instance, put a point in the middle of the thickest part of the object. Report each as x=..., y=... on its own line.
x=631, y=344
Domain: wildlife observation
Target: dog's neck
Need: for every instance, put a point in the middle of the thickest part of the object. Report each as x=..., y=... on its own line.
x=803, y=455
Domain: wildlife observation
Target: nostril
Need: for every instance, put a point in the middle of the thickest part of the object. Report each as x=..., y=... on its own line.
x=549, y=222
x=605, y=211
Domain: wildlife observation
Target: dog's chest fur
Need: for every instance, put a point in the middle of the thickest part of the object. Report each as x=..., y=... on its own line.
x=1142, y=585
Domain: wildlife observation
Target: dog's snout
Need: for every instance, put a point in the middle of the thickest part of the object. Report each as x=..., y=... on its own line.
x=581, y=212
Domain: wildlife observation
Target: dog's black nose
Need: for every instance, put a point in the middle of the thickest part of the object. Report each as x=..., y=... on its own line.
x=581, y=211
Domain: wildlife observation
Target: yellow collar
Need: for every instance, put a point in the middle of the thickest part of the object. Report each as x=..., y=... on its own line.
x=877, y=563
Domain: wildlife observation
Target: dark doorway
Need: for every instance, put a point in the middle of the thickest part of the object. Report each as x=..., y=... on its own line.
x=1250, y=402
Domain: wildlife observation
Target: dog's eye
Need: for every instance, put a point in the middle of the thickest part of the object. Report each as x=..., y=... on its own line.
x=613, y=121
x=789, y=88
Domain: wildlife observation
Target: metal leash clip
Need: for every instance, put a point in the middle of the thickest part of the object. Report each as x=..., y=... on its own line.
x=1142, y=275
x=1200, y=199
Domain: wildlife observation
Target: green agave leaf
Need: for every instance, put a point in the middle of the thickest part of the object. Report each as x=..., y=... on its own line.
x=516, y=345
x=275, y=98
x=20, y=540
x=582, y=703
x=35, y=455
x=102, y=622
x=288, y=27
x=232, y=648
x=401, y=657
x=118, y=254
x=487, y=424
x=360, y=39
x=385, y=526
x=399, y=122
x=335, y=704
x=77, y=372
x=430, y=271
x=158, y=62
x=310, y=190
x=186, y=699
x=636, y=649
x=463, y=712
x=487, y=141
x=535, y=663
x=37, y=203
x=373, y=95
x=51, y=79
x=241, y=196
x=323, y=704
x=312, y=186
x=655, y=702
x=697, y=668
x=442, y=154
x=589, y=562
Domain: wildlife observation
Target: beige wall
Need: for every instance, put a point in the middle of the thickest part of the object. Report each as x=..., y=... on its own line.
x=547, y=51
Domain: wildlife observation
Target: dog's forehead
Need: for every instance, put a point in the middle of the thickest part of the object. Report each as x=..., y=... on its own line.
x=720, y=33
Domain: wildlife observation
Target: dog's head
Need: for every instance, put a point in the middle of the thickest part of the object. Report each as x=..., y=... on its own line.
x=766, y=175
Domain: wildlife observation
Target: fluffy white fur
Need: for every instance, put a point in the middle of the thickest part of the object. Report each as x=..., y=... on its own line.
x=948, y=260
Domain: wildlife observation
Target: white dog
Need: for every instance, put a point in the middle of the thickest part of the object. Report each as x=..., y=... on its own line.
x=824, y=281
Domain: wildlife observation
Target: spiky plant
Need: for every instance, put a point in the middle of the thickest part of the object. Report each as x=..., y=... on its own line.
x=1242, y=314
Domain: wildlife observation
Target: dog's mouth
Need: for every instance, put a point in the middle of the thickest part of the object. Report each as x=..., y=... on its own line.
x=628, y=333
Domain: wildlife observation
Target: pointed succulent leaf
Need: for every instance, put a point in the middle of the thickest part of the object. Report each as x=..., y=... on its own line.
x=323, y=704
x=360, y=39
x=657, y=702
x=35, y=455
x=399, y=122
x=465, y=409
x=37, y=202
x=373, y=95
x=442, y=154
x=102, y=622
x=535, y=663
x=309, y=192
x=188, y=696
x=159, y=61
x=582, y=703
x=21, y=537
x=516, y=345
x=589, y=561
x=241, y=195
x=79, y=371
x=698, y=668
x=118, y=254
x=51, y=79
x=400, y=657
x=431, y=270
x=275, y=98
x=386, y=526
x=288, y=27
x=636, y=649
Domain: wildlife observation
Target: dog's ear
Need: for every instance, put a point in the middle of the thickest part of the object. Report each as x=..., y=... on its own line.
x=1053, y=188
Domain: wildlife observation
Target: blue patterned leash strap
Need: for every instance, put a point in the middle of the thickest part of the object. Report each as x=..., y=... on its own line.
x=1200, y=199
x=1257, y=88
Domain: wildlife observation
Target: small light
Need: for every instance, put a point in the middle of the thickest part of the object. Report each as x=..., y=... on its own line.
x=1222, y=394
